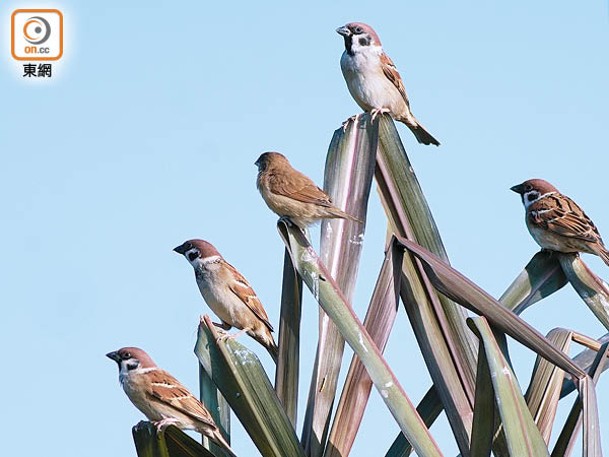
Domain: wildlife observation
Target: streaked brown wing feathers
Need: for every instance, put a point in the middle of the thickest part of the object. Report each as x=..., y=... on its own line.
x=242, y=289
x=391, y=72
x=563, y=216
x=167, y=389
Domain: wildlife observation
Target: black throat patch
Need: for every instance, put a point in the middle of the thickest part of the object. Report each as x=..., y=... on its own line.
x=349, y=44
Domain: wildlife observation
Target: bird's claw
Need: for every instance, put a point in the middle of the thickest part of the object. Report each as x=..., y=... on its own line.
x=224, y=335
x=376, y=111
x=162, y=424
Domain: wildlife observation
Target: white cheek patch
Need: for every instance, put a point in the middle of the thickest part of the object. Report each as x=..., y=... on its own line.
x=356, y=46
x=530, y=197
x=194, y=253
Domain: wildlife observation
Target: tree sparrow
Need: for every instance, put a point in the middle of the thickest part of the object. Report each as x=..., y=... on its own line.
x=374, y=81
x=161, y=397
x=556, y=222
x=228, y=293
x=289, y=193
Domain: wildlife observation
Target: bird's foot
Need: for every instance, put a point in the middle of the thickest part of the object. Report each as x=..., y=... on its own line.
x=376, y=111
x=162, y=424
x=353, y=118
x=230, y=336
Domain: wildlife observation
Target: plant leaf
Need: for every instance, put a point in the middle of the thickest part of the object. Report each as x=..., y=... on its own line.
x=330, y=297
x=543, y=392
x=217, y=407
x=541, y=277
x=453, y=284
x=429, y=408
x=592, y=289
x=286, y=375
x=171, y=442
x=379, y=321
x=586, y=400
x=240, y=377
x=348, y=178
x=497, y=390
x=447, y=345
x=584, y=360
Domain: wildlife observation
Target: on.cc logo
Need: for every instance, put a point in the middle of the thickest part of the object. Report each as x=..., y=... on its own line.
x=36, y=30
x=36, y=34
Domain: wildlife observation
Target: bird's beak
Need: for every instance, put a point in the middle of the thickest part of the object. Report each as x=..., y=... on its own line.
x=181, y=249
x=114, y=356
x=519, y=189
x=344, y=31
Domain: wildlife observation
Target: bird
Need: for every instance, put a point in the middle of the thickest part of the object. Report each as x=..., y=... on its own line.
x=373, y=79
x=228, y=294
x=556, y=222
x=161, y=397
x=289, y=193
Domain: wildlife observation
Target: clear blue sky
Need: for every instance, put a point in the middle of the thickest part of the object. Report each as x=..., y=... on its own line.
x=146, y=136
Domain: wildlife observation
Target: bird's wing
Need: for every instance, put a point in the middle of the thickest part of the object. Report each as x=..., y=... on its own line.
x=166, y=389
x=241, y=288
x=298, y=187
x=563, y=216
x=392, y=74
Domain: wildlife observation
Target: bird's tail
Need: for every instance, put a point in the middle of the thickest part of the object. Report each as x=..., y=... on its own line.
x=273, y=350
x=266, y=339
x=603, y=253
x=422, y=135
x=340, y=213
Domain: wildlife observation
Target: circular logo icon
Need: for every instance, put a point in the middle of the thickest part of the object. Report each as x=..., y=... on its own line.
x=36, y=30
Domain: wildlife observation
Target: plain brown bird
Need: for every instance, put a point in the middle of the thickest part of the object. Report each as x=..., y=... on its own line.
x=289, y=193
x=556, y=222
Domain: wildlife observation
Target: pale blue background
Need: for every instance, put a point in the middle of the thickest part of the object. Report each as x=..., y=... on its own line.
x=146, y=136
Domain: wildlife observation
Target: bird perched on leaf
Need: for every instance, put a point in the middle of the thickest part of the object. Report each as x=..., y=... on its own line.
x=289, y=193
x=228, y=293
x=161, y=397
x=374, y=81
x=556, y=222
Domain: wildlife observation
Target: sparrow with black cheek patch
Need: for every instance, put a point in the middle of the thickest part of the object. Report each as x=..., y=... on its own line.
x=289, y=193
x=161, y=397
x=374, y=81
x=556, y=222
x=228, y=293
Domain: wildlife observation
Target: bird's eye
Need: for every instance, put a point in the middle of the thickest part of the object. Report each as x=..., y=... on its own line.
x=192, y=256
x=528, y=187
x=126, y=355
x=357, y=30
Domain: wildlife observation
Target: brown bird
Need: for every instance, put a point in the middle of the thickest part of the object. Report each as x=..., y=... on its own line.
x=289, y=193
x=556, y=222
x=373, y=79
x=228, y=293
x=161, y=397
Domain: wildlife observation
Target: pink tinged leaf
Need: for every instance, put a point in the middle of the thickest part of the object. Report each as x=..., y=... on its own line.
x=348, y=178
